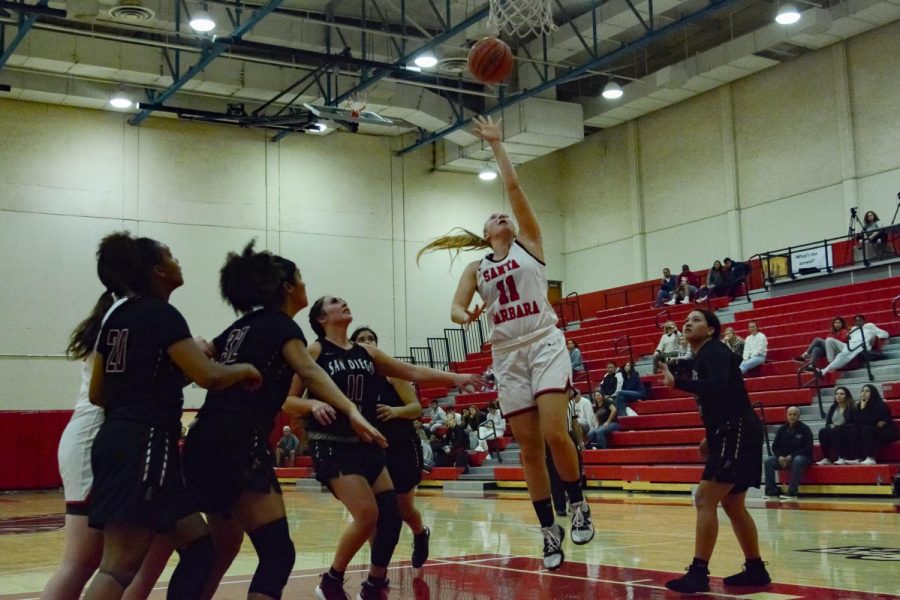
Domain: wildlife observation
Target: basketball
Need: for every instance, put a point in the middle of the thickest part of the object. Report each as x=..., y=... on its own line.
x=490, y=60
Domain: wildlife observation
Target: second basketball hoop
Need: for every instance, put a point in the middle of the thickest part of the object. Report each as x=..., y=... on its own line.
x=490, y=60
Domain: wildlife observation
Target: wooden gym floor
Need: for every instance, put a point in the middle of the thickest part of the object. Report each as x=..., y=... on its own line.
x=487, y=547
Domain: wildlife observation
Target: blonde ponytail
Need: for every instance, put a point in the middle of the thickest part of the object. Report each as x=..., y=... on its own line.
x=457, y=239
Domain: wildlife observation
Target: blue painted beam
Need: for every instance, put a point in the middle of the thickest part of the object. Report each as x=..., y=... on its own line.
x=208, y=55
x=575, y=72
x=25, y=24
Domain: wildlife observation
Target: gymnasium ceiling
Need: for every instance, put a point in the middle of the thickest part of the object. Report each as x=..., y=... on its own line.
x=266, y=58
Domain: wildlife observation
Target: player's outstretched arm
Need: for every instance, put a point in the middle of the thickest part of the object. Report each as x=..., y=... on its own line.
x=529, y=229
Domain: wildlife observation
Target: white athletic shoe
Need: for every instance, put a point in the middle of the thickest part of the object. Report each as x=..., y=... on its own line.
x=824, y=461
x=841, y=461
x=869, y=461
x=553, y=553
x=582, y=527
x=671, y=302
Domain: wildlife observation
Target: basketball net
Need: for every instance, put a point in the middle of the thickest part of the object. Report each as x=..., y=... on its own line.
x=521, y=18
x=357, y=103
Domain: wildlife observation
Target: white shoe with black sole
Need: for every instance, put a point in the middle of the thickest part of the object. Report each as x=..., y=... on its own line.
x=582, y=526
x=553, y=553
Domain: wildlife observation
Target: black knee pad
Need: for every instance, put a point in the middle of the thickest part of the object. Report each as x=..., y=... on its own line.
x=276, y=557
x=388, y=533
x=195, y=562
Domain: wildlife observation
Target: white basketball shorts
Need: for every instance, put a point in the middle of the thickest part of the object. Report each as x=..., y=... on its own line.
x=531, y=369
x=74, y=455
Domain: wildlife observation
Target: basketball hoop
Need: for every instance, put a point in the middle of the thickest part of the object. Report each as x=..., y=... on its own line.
x=521, y=18
x=357, y=103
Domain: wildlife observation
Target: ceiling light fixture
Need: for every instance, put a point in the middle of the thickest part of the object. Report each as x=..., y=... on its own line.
x=612, y=91
x=487, y=173
x=426, y=60
x=787, y=15
x=202, y=21
x=120, y=100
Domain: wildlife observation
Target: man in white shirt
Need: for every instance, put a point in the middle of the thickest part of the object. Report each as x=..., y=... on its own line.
x=755, y=348
x=438, y=416
x=584, y=413
x=862, y=333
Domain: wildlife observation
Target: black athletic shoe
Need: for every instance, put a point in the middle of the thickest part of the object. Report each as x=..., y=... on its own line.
x=753, y=575
x=370, y=591
x=695, y=580
x=330, y=588
x=420, y=548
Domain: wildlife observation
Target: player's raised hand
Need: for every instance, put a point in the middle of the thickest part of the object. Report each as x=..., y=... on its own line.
x=486, y=129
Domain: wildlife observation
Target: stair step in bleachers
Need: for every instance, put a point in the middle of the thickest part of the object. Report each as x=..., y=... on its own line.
x=651, y=454
x=443, y=473
x=817, y=295
x=655, y=437
x=688, y=404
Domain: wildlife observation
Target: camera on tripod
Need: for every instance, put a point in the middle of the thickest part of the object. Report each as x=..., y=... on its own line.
x=854, y=209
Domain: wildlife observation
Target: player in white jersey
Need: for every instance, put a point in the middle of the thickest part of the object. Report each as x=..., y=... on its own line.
x=531, y=362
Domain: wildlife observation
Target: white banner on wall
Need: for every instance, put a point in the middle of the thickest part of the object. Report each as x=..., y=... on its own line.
x=819, y=257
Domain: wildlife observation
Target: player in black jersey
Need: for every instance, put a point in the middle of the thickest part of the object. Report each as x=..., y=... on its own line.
x=732, y=449
x=397, y=408
x=228, y=461
x=144, y=353
x=354, y=470
x=83, y=546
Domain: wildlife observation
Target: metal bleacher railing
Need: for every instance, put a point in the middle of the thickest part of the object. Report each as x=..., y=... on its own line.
x=793, y=262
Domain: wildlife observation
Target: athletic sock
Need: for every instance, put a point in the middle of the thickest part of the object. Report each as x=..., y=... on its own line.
x=544, y=510
x=573, y=491
x=338, y=575
x=699, y=562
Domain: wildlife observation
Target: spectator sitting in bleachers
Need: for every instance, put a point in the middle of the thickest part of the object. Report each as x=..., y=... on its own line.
x=632, y=388
x=735, y=273
x=493, y=427
x=584, y=413
x=838, y=437
x=611, y=382
x=715, y=277
x=734, y=342
x=607, y=418
x=755, y=348
x=828, y=347
x=688, y=285
x=669, y=344
x=427, y=452
x=470, y=418
x=575, y=356
x=874, y=424
x=792, y=449
x=666, y=289
x=287, y=447
x=862, y=334
x=438, y=417
x=451, y=449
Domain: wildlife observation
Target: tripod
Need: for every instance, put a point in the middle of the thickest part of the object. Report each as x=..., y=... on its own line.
x=852, y=235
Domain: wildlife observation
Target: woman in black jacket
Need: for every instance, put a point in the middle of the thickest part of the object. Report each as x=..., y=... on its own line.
x=732, y=449
x=838, y=437
x=875, y=425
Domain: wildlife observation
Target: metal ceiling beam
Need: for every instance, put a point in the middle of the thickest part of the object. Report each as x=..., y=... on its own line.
x=25, y=23
x=379, y=74
x=209, y=54
x=713, y=7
